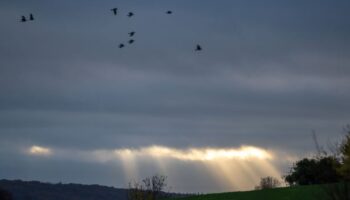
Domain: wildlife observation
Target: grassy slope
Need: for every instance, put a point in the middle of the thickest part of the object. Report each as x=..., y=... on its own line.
x=291, y=193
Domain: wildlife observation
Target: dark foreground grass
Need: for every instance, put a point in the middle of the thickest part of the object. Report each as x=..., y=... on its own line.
x=313, y=192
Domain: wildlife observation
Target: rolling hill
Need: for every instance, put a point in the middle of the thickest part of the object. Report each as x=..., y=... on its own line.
x=314, y=192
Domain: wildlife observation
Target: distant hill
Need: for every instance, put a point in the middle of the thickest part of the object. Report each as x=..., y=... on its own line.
x=34, y=190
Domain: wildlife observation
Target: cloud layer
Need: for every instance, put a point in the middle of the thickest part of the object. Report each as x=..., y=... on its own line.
x=269, y=73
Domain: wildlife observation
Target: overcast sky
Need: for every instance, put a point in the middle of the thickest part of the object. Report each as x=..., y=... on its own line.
x=270, y=72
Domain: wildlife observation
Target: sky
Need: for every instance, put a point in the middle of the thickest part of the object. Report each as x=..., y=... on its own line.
x=76, y=108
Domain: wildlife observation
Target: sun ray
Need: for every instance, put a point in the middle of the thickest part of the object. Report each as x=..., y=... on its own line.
x=234, y=168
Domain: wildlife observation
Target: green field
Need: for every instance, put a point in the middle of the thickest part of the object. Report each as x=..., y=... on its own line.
x=290, y=193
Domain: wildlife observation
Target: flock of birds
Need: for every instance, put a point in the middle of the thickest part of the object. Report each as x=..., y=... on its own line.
x=131, y=34
x=24, y=19
x=115, y=12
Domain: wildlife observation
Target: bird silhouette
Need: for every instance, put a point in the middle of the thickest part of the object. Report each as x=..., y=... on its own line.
x=198, y=48
x=132, y=33
x=131, y=41
x=169, y=12
x=130, y=14
x=31, y=17
x=23, y=19
x=121, y=46
x=114, y=10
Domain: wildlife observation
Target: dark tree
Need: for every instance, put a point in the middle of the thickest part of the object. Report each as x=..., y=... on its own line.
x=341, y=190
x=344, y=150
x=268, y=183
x=151, y=188
x=314, y=171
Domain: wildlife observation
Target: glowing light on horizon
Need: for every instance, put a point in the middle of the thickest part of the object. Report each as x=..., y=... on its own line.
x=199, y=154
x=228, y=168
x=38, y=150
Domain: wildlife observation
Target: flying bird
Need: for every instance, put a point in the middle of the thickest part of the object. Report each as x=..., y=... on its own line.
x=131, y=41
x=132, y=33
x=130, y=14
x=114, y=10
x=198, y=48
x=169, y=12
x=31, y=17
x=121, y=46
x=23, y=19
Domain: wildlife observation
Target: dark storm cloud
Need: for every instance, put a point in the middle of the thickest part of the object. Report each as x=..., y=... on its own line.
x=270, y=72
